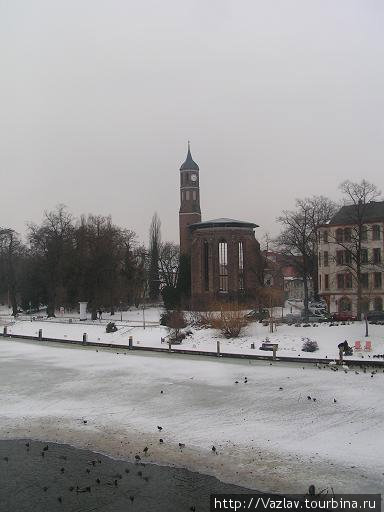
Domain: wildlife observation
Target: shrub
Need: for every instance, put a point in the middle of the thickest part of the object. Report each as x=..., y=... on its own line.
x=175, y=321
x=205, y=319
x=111, y=327
x=164, y=317
x=231, y=321
x=310, y=345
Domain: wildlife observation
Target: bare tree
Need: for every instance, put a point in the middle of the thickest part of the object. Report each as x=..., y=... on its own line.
x=298, y=238
x=11, y=252
x=51, y=243
x=154, y=254
x=358, y=200
x=169, y=258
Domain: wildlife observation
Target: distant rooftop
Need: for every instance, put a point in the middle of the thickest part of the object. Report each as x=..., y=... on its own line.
x=223, y=223
x=373, y=212
x=189, y=164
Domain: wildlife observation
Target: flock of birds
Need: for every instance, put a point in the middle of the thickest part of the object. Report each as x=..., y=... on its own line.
x=112, y=482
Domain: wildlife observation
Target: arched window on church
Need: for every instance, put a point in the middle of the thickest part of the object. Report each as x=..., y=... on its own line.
x=206, y=265
x=241, y=265
x=223, y=266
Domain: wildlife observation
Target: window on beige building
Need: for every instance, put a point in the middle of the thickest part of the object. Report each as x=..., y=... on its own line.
x=378, y=304
x=376, y=255
x=340, y=281
x=326, y=259
x=348, y=257
x=339, y=257
x=326, y=281
x=339, y=235
x=364, y=279
x=377, y=280
x=364, y=234
x=325, y=237
x=345, y=304
x=348, y=280
x=347, y=235
x=376, y=232
x=364, y=256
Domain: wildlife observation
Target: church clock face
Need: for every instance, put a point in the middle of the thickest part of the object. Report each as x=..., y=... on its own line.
x=193, y=177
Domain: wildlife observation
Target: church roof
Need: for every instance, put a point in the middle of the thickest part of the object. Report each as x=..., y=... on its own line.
x=222, y=223
x=189, y=164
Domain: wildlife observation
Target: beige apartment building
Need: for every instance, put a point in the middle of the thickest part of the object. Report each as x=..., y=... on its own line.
x=337, y=253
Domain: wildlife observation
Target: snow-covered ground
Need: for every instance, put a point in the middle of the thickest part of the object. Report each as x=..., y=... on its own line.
x=289, y=338
x=269, y=435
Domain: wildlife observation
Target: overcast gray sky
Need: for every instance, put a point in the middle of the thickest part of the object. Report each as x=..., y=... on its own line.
x=280, y=99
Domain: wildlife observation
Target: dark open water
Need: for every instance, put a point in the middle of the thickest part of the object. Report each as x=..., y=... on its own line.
x=65, y=480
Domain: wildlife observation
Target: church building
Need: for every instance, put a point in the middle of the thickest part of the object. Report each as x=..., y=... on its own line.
x=224, y=253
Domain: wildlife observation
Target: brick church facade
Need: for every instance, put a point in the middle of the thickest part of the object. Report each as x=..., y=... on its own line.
x=224, y=253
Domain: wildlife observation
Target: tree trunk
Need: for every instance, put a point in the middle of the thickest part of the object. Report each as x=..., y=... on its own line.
x=359, y=293
x=315, y=282
x=13, y=301
x=305, y=282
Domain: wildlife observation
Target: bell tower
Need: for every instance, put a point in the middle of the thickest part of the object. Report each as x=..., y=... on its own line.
x=189, y=212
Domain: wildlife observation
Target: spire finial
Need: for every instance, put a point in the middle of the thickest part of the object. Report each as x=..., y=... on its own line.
x=189, y=145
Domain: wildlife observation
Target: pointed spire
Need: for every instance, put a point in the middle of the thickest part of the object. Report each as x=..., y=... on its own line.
x=189, y=164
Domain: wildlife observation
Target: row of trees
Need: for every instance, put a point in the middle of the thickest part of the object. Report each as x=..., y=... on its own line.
x=65, y=260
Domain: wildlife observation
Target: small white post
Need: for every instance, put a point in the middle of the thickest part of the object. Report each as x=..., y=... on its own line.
x=83, y=310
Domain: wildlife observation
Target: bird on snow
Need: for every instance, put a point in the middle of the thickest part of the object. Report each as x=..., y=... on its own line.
x=45, y=448
x=159, y=428
x=314, y=399
x=214, y=449
x=137, y=457
x=85, y=422
x=334, y=400
x=145, y=449
x=161, y=441
x=309, y=398
x=181, y=445
x=62, y=470
x=97, y=480
x=280, y=388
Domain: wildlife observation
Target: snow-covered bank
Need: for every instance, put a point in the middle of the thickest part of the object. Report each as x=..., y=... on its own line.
x=267, y=438
x=289, y=338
